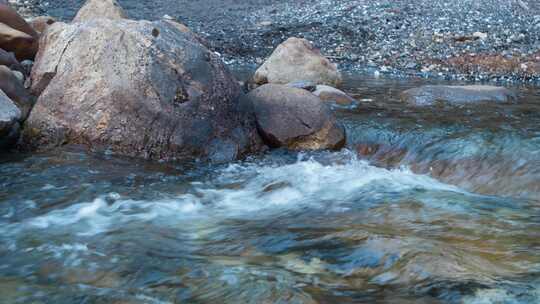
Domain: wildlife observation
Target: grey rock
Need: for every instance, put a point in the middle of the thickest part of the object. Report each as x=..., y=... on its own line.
x=27, y=66
x=137, y=88
x=19, y=76
x=13, y=87
x=456, y=95
x=295, y=119
x=8, y=59
x=10, y=116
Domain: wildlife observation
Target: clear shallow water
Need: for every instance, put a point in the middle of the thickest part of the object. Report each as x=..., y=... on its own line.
x=484, y=148
x=374, y=223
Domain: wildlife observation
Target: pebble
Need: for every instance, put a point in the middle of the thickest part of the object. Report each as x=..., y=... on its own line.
x=397, y=37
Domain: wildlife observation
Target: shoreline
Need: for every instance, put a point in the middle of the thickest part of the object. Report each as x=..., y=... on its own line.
x=478, y=41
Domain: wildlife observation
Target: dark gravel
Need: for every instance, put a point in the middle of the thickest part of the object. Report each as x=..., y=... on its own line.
x=401, y=37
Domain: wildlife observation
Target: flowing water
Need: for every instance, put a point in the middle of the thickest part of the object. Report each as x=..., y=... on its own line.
x=436, y=205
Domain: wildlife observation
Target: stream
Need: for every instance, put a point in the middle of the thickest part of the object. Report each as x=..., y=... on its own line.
x=425, y=205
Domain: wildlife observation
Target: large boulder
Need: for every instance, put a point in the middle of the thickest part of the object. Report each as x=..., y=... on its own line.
x=456, y=95
x=96, y=9
x=10, y=116
x=137, y=88
x=295, y=119
x=297, y=60
x=13, y=87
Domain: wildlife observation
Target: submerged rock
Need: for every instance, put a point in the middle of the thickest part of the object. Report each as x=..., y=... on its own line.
x=431, y=94
x=330, y=94
x=10, y=116
x=100, y=9
x=137, y=88
x=297, y=60
x=295, y=119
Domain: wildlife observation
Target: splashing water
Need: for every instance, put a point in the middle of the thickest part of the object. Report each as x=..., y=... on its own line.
x=306, y=228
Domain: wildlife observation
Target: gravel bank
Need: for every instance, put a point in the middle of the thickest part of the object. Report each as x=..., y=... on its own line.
x=463, y=39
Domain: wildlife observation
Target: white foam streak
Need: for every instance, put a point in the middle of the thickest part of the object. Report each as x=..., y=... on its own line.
x=259, y=190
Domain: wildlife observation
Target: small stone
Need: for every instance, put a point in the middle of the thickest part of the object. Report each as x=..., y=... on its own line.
x=265, y=23
x=480, y=35
x=19, y=75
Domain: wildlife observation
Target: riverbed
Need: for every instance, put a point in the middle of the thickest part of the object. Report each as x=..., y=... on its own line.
x=425, y=205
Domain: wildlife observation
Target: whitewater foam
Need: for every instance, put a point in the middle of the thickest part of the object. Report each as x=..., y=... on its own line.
x=249, y=189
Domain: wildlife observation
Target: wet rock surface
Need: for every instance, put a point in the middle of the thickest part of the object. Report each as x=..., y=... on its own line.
x=456, y=95
x=420, y=37
x=157, y=94
x=295, y=119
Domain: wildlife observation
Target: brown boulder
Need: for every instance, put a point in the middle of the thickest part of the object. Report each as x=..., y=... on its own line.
x=11, y=18
x=456, y=95
x=12, y=86
x=21, y=44
x=295, y=119
x=297, y=60
x=100, y=9
x=137, y=88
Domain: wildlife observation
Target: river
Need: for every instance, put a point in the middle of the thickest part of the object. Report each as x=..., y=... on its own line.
x=426, y=205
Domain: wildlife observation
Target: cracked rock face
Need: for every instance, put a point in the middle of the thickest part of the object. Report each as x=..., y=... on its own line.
x=295, y=119
x=136, y=88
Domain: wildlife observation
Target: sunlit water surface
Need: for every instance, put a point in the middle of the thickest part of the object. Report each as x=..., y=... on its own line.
x=437, y=205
